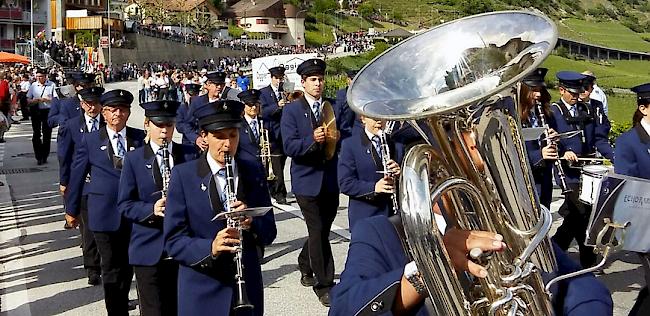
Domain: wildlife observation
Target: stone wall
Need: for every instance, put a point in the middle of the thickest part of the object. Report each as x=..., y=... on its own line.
x=153, y=49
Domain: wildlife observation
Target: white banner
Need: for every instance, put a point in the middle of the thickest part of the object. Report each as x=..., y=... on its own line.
x=261, y=76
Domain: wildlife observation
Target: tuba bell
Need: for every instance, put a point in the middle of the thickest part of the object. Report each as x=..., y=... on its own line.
x=455, y=85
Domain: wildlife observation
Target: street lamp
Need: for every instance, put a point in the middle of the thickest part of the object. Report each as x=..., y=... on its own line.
x=295, y=28
x=108, y=12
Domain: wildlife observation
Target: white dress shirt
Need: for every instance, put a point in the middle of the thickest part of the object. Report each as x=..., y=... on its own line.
x=38, y=90
x=250, y=122
x=645, y=125
x=221, y=181
x=573, y=109
x=155, y=149
x=89, y=122
x=598, y=94
x=311, y=100
x=111, y=137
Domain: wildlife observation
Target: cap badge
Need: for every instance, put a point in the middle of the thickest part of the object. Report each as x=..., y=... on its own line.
x=121, y=93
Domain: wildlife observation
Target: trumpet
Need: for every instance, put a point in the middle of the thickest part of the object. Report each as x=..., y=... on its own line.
x=558, y=165
x=241, y=301
x=265, y=151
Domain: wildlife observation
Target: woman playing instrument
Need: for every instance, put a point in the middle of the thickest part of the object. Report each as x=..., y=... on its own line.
x=204, y=246
x=362, y=171
x=633, y=159
x=541, y=152
x=141, y=200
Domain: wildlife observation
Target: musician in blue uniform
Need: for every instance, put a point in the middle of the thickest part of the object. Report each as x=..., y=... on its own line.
x=68, y=108
x=348, y=117
x=70, y=134
x=541, y=153
x=204, y=247
x=273, y=99
x=216, y=90
x=101, y=154
x=145, y=175
x=633, y=159
x=360, y=172
x=251, y=129
x=379, y=279
x=191, y=91
x=572, y=115
x=250, y=134
x=601, y=122
x=313, y=177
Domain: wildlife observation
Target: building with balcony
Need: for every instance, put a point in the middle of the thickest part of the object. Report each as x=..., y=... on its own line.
x=277, y=22
x=15, y=21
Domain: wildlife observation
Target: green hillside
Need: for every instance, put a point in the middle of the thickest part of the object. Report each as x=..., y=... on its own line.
x=607, y=33
x=623, y=24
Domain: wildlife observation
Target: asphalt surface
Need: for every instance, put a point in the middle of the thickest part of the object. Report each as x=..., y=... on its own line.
x=41, y=270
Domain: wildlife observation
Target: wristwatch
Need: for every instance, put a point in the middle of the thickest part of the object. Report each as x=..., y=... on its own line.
x=412, y=274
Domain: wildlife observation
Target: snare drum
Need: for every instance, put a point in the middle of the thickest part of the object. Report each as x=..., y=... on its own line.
x=590, y=179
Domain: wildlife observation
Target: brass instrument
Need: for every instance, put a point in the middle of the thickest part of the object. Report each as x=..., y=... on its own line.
x=385, y=159
x=331, y=132
x=557, y=164
x=456, y=86
x=241, y=300
x=265, y=151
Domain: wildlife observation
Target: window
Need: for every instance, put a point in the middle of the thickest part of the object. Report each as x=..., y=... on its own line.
x=262, y=21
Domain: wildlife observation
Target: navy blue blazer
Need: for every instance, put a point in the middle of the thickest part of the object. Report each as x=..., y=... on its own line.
x=186, y=123
x=633, y=153
x=140, y=187
x=205, y=284
x=249, y=146
x=358, y=168
x=271, y=114
x=310, y=172
x=348, y=117
x=95, y=155
x=593, y=139
x=542, y=170
x=70, y=134
x=375, y=266
x=63, y=110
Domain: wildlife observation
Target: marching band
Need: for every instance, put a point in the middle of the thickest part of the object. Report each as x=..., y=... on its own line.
x=191, y=220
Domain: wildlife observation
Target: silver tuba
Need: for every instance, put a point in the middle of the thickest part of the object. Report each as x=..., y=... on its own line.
x=455, y=85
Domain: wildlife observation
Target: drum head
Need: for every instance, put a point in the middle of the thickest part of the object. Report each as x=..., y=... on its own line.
x=595, y=169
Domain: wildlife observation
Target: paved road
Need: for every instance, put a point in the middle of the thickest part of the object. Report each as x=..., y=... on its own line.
x=40, y=262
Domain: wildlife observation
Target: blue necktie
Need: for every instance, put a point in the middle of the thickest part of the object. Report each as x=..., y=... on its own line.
x=163, y=165
x=572, y=110
x=93, y=125
x=120, y=146
x=377, y=144
x=316, y=109
x=224, y=198
x=254, y=129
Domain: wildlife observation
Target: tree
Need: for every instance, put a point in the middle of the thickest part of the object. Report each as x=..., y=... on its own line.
x=471, y=7
x=366, y=10
x=325, y=5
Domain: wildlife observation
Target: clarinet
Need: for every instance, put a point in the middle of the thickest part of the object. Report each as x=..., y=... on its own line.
x=558, y=165
x=385, y=158
x=166, y=172
x=241, y=301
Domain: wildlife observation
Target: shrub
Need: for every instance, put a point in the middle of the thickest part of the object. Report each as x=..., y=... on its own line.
x=618, y=129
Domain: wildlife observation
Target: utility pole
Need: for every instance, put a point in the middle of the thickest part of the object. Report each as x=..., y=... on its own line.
x=31, y=23
x=109, y=33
